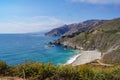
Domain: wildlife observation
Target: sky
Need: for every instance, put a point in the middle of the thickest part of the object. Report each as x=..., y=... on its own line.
x=24, y=16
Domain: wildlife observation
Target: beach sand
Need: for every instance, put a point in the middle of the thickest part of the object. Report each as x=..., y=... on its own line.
x=86, y=57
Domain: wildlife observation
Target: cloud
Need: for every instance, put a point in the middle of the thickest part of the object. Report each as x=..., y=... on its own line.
x=29, y=24
x=98, y=1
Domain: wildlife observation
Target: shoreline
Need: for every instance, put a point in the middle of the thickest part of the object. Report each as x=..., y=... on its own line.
x=73, y=58
x=84, y=57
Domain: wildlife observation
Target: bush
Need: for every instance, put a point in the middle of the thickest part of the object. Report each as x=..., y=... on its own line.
x=3, y=68
x=38, y=71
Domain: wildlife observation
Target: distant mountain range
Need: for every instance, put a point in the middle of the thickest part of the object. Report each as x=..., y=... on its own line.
x=75, y=27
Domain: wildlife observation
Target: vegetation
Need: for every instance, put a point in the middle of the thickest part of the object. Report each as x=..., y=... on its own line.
x=38, y=71
x=113, y=57
x=105, y=38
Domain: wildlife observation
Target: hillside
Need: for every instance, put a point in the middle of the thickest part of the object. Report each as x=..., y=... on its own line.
x=76, y=27
x=105, y=38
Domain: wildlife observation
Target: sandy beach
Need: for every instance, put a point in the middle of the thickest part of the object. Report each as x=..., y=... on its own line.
x=86, y=57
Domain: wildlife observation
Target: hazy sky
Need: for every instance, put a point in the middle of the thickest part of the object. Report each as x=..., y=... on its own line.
x=22, y=16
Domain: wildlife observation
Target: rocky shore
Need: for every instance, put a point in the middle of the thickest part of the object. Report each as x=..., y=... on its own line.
x=83, y=56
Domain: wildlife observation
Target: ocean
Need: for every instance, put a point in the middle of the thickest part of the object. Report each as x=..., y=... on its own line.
x=16, y=49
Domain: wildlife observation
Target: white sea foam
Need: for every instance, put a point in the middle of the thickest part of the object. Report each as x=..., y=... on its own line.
x=72, y=59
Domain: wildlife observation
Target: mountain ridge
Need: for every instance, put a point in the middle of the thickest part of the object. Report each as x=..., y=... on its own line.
x=75, y=27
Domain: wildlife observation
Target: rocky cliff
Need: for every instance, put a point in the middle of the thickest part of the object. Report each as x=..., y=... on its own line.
x=105, y=38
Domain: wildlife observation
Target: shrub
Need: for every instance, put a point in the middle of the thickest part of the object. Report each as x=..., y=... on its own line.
x=3, y=68
x=38, y=71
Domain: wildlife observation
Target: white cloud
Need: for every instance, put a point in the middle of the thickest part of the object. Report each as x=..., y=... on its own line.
x=98, y=1
x=29, y=24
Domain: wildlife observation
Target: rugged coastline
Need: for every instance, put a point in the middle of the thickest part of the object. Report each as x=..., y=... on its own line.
x=83, y=56
x=105, y=38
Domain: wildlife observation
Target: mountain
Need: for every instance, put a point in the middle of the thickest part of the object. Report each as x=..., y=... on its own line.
x=105, y=37
x=76, y=27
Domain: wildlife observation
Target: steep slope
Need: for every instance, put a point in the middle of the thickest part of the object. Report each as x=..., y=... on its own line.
x=105, y=38
x=73, y=28
x=58, y=31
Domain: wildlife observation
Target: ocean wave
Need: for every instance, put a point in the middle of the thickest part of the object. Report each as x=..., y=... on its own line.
x=72, y=59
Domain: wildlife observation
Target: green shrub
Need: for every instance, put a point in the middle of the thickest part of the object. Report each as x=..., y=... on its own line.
x=67, y=72
x=3, y=68
x=38, y=71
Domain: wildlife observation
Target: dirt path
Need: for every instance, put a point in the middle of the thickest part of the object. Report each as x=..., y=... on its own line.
x=110, y=50
x=103, y=64
x=11, y=78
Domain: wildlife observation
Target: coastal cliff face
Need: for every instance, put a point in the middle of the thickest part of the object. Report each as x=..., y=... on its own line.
x=76, y=27
x=105, y=38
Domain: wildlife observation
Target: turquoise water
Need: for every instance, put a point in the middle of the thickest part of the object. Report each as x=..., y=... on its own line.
x=19, y=48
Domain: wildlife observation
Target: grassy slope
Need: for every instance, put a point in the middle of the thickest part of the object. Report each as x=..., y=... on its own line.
x=103, y=38
x=38, y=71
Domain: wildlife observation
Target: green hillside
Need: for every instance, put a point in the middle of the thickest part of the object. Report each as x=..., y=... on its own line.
x=105, y=38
